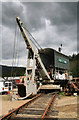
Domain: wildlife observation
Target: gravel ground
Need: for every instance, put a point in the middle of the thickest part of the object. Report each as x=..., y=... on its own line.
x=66, y=106
x=8, y=105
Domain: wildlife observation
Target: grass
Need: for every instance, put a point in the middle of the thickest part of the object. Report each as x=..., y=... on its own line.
x=62, y=93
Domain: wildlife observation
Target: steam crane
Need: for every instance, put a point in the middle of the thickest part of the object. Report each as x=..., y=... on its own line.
x=30, y=85
x=43, y=59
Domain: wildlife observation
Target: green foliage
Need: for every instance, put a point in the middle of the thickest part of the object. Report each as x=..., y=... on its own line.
x=74, y=65
x=8, y=71
x=62, y=93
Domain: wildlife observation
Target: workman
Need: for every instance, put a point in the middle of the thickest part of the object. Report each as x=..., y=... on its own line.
x=50, y=71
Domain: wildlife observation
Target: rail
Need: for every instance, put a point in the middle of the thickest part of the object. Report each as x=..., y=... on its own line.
x=37, y=109
x=45, y=113
x=20, y=107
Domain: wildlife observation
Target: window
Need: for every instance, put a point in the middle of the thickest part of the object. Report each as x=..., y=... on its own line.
x=6, y=84
x=9, y=84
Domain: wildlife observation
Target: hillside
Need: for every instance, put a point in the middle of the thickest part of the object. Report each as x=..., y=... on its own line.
x=18, y=71
x=74, y=65
x=11, y=71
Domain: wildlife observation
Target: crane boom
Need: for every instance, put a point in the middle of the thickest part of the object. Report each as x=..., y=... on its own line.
x=33, y=52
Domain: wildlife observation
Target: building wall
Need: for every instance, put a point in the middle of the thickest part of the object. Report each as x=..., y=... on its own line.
x=61, y=61
x=51, y=57
x=47, y=57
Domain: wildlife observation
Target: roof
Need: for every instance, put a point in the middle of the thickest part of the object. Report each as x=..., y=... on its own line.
x=49, y=50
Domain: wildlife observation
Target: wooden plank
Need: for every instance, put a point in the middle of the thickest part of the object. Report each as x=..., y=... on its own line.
x=50, y=87
x=33, y=109
x=27, y=116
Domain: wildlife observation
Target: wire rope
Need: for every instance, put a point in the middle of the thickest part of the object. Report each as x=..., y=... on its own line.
x=33, y=39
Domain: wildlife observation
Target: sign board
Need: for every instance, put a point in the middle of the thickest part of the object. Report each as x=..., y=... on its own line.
x=62, y=61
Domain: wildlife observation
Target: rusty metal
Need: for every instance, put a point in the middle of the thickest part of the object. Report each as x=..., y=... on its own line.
x=72, y=87
x=37, y=109
x=20, y=107
x=46, y=110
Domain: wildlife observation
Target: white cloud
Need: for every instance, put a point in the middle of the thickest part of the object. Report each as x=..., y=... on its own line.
x=21, y=62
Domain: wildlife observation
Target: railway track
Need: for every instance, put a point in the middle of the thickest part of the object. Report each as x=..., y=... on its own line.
x=39, y=107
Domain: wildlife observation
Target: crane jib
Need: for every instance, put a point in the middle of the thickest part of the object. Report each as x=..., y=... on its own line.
x=32, y=50
x=19, y=24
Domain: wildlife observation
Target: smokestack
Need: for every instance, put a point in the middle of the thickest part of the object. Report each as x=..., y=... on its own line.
x=60, y=48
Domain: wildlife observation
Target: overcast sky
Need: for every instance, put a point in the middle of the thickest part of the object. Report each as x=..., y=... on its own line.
x=50, y=23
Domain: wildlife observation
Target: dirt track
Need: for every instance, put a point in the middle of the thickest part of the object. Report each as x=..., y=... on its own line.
x=8, y=105
x=66, y=106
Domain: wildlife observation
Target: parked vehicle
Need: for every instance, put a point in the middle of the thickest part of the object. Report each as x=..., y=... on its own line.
x=5, y=86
